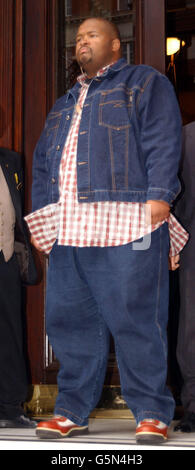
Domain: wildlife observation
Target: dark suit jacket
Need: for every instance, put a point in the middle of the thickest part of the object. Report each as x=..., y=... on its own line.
x=11, y=165
x=185, y=206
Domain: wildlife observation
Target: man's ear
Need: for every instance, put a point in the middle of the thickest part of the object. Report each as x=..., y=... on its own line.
x=116, y=45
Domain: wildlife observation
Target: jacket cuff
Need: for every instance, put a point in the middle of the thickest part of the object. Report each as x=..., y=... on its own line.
x=160, y=194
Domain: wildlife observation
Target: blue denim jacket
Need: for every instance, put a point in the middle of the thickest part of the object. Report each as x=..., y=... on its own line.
x=129, y=141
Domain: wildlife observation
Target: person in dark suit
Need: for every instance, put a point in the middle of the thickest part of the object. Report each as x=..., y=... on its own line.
x=185, y=211
x=16, y=267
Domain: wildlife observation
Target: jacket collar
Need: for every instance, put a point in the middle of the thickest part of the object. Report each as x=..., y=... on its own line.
x=111, y=70
x=119, y=65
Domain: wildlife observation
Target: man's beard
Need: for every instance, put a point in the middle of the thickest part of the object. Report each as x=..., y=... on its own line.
x=84, y=60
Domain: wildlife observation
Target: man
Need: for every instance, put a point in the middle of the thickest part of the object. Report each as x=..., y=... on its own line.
x=185, y=211
x=15, y=251
x=109, y=150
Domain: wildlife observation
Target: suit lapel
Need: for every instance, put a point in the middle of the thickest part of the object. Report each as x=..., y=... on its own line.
x=12, y=179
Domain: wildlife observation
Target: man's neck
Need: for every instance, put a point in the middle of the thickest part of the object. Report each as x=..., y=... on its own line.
x=93, y=73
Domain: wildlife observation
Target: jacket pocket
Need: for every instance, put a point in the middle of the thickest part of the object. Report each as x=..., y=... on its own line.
x=51, y=129
x=115, y=109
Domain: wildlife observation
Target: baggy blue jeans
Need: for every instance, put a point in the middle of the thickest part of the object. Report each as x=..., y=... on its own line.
x=92, y=292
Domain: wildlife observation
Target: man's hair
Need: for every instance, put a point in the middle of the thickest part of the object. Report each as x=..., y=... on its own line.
x=112, y=26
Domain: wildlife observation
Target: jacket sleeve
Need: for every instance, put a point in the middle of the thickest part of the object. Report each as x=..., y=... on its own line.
x=39, y=173
x=22, y=246
x=161, y=137
x=41, y=157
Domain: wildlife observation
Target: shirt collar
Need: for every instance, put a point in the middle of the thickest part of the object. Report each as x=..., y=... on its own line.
x=82, y=79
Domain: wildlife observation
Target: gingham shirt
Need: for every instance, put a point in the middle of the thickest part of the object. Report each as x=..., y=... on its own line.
x=105, y=223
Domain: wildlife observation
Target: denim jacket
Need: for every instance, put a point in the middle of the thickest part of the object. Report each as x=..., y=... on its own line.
x=129, y=141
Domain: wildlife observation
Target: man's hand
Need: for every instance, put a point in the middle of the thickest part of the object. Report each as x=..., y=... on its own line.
x=174, y=262
x=160, y=210
x=35, y=244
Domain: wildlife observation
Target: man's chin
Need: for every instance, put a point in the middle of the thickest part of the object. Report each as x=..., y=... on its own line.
x=84, y=63
x=84, y=59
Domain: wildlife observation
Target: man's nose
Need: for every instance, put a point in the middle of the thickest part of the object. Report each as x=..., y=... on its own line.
x=84, y=40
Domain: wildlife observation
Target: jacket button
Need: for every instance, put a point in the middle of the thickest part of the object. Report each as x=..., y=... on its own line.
x=53, y=180
x=67, y=117
x=58, y=147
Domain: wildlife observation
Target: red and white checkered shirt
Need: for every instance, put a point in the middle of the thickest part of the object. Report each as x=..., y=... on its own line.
x=105, y=223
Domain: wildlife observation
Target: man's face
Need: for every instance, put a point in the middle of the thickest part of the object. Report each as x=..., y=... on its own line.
x=94, y=46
